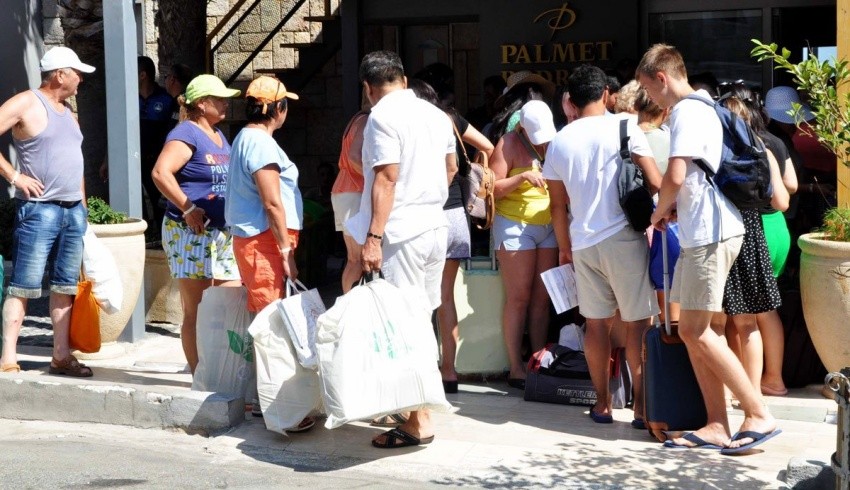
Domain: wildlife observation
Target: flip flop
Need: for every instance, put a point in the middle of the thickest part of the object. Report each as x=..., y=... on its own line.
x=697, y=441
x=10, y=368
x=757, y=437
x=768, y=391
x=601, y=419
x=403, y=438
x=391, y=420
x=639, y=424
x=306, y=424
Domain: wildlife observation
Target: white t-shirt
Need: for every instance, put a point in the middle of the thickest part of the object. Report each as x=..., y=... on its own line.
x=585, y=155
x=706, y=216
x=416, y=135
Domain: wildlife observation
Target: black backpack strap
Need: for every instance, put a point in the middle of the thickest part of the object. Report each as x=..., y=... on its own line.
x=624, y=140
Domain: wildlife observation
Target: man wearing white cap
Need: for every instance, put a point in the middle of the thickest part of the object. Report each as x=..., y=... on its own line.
x=49, y=194
x=611, y=258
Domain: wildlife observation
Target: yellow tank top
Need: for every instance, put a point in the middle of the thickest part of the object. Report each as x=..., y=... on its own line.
x=526, y=204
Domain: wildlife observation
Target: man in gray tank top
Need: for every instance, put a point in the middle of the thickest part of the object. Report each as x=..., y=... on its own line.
x=49, y=196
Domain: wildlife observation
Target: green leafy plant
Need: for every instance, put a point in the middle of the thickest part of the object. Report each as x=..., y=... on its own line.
x=821, y=81
x=101, y=213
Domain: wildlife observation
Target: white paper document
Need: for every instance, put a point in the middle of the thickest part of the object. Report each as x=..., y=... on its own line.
x=560, y=283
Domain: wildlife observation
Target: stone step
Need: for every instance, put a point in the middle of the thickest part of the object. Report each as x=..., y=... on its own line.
x=111, y=399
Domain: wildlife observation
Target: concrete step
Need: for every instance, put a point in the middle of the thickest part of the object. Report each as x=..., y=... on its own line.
x=146, y=387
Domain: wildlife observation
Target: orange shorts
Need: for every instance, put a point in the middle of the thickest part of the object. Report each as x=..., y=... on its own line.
x=261, y=267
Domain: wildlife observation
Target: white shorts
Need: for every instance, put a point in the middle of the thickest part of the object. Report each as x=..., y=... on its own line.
x=418, y=263
x=346, y=205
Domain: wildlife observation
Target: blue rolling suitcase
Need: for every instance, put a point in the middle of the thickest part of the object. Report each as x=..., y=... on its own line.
x=672, y=398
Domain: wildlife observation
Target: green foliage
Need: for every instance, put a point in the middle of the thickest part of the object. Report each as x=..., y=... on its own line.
x=101, y=213
x=7, y=224
x=836, y=224
x=821, y=81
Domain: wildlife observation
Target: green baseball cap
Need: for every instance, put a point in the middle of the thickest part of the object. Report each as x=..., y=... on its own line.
x=208, y=86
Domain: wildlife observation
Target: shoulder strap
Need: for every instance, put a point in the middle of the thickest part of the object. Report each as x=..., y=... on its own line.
x=692, y=96
x=624, y=140
x=528, y=146
x=460, y=141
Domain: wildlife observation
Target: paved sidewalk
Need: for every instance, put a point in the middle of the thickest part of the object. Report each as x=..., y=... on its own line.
x=492, y=438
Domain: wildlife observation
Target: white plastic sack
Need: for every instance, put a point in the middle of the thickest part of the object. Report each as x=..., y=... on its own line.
x=299, y=311
x=225, y=349
x=572, y=336
x=287, y=391
x=99, y=268
x=377, y=355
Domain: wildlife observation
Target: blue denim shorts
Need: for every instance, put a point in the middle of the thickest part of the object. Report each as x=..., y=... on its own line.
x=517, y=236
x=47, y=231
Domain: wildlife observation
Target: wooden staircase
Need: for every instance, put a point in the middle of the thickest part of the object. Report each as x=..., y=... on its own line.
x=312, y=56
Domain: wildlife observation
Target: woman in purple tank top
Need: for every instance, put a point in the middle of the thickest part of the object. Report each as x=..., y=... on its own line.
x=191, y=172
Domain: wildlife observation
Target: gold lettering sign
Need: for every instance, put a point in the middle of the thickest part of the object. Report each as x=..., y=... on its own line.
x=578, y=52
x=559, y=18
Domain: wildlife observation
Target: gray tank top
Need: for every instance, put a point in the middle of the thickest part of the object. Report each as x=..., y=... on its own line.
x=54, y=156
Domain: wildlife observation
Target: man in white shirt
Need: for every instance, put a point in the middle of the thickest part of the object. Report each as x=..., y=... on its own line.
x=611, y=258
x=408, y=162
x=710, y=234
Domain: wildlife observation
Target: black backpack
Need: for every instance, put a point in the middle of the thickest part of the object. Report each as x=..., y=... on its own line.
x=744, y=172
x=634, y=195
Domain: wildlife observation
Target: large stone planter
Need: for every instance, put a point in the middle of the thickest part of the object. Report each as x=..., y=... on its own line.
x=162, y=296
x=126, y=242
x=825, y=291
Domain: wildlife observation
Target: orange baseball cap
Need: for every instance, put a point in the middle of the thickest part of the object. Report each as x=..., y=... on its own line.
x=268, y=89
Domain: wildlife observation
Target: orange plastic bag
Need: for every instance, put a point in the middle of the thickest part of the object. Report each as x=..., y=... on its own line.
x=85, y=320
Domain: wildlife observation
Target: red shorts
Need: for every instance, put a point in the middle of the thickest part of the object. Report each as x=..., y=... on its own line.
x=261, y=267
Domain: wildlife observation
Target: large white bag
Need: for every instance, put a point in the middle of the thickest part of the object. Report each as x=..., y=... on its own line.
x=288, y=391
x=225, y=349
x=100, y=268
x=299, y=311
x=377, y=355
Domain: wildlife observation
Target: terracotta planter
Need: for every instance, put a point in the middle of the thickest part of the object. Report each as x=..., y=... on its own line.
x=825, y=291
x=162, y=296
x=126, y=242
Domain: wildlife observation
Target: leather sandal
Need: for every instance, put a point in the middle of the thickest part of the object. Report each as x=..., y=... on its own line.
x=10, y=368
x=70, y=366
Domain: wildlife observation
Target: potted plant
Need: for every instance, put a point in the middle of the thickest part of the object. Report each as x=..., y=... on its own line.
x=125, y=238
x=825, y=259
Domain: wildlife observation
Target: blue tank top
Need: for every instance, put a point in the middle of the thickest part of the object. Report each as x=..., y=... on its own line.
x=204, y=177
x=54, y=156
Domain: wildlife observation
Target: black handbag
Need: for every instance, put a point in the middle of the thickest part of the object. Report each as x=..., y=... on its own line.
x=635, y=198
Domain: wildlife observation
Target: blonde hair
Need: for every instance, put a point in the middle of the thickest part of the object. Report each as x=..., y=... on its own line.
x=644, y=105
x=662, y=58
x=626, y=97
x=188, y=111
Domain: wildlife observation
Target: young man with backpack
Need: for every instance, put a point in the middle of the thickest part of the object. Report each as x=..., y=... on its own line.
x=710, y=233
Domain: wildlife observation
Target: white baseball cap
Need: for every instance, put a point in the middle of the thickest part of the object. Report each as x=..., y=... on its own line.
x=536, y=119
x=62, y=57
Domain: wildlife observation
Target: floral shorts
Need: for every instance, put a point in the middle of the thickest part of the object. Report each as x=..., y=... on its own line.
x=193, y=256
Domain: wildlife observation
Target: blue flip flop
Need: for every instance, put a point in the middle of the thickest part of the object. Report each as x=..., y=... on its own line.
x=639, y=424
x=757, y=437
x=601, y=419
x=697, y=441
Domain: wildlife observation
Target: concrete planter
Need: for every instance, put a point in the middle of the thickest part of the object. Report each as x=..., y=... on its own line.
x=162, y=296
x=126, y=242
x=825, y=291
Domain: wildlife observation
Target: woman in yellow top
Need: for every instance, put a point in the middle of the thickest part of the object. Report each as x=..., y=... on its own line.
x=523, y=237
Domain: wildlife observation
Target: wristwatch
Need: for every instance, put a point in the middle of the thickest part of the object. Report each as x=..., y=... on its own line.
x=380, y=238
